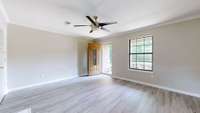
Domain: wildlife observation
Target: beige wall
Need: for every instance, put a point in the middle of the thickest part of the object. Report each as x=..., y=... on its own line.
x=36, y=56
x=82, y=57
x=176, y=56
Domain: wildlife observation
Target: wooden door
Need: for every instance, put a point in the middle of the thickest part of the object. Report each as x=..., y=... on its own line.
x=94, y=58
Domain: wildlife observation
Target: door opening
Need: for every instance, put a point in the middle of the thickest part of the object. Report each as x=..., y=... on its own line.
x=107, y=58
x=94, y=58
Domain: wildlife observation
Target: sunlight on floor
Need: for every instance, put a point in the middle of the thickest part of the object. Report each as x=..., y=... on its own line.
x=26, y=111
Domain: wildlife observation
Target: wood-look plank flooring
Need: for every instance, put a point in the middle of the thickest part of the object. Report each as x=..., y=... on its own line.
x=98, y=94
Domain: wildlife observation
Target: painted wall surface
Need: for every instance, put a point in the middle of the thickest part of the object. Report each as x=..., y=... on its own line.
x=3, y=16
x=3, y=24
x=82, y=57
x=175, y=54
x=2, y=65
x=1, y=83
x=36, y=56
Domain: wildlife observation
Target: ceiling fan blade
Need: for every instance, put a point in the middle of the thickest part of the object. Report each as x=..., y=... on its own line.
x=67, y=22
x=95, y=18
x=91, y=20
x=107, y=23
x=103, y=28
x=80, y=25
x=91, y=31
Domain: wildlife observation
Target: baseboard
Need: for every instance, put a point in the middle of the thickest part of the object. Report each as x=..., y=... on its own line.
x=159, y=87
x=40, y=84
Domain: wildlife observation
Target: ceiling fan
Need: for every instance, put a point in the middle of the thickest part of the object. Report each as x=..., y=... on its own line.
x=95, y=24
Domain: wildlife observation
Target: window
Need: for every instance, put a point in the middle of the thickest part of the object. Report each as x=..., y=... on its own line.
x=141, y=53
x=94, y=51
x=107, y=59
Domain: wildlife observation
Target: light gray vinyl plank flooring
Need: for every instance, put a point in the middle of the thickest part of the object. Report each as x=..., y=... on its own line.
x=98, y=94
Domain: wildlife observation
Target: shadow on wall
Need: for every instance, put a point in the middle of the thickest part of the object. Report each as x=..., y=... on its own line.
x=82, y=46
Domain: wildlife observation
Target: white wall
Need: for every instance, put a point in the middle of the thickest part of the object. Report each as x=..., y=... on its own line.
x=3, y=24
x=3, y=17
x=36, y=57
x=3, y=86
x=176, y=56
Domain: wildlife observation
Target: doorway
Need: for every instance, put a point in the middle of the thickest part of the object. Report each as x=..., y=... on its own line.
x=107, y=59
x=94, y=58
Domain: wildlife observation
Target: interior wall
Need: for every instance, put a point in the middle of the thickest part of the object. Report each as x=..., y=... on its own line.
x=82, y=57
x=3, y=86
x=175, y=57
x=36, y=57
x=1, y=68
x=3, y=24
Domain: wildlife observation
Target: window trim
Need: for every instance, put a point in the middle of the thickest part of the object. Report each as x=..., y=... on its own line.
x=129, y=54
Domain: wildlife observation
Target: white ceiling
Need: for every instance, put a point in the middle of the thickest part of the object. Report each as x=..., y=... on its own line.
x=131, y=14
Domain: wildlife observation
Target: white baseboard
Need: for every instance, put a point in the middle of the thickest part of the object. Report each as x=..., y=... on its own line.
x=159, y=87
x=40, y=84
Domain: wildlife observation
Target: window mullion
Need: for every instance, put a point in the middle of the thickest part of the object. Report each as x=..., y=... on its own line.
x=144, y=54
x=139, y=56
x=136, y=55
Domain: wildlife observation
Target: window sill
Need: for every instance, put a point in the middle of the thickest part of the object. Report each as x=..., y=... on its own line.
x=141, y=71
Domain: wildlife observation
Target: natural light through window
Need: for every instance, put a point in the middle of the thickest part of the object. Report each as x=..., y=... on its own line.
x=107, y=59
x=141, y=53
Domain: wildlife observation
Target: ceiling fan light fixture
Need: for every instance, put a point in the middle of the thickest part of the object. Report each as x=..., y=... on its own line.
x=67, y=22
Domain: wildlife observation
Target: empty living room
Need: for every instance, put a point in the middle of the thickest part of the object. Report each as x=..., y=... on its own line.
x=99, y=56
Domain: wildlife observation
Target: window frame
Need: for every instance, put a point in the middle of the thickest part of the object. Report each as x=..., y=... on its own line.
x=129, y=53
